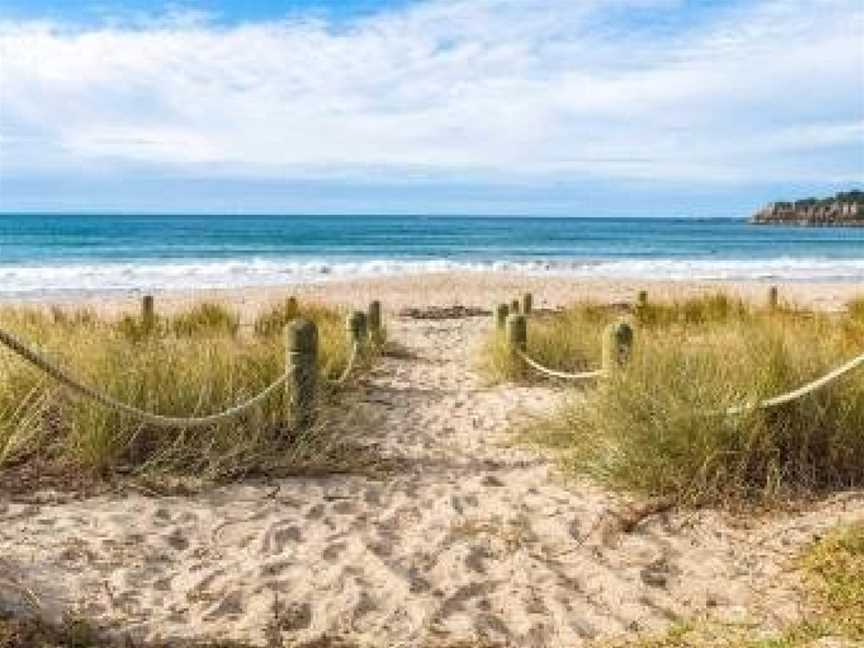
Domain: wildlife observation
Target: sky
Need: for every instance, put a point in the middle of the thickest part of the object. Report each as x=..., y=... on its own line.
x=549, y=107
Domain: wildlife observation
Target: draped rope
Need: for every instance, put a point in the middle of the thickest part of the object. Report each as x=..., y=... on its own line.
x=355, y=351
x=552, y=373
x=809, y=388
x=775, y=401
x=41, y=362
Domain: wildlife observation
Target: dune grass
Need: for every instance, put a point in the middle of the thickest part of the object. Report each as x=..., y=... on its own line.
x=192, y=363
x=570, y=341
x=567, y=341
x=659, y=427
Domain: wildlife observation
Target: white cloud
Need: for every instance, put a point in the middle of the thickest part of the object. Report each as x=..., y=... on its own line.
x=488, y=88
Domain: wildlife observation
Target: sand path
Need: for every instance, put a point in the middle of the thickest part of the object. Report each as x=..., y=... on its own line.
x=474, y=539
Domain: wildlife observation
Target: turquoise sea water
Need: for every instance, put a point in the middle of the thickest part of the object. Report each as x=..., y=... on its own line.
x=70, y=254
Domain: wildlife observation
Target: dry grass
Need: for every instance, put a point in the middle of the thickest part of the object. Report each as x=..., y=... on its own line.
x=855, y=309
x=658, y=428
x=193, y=363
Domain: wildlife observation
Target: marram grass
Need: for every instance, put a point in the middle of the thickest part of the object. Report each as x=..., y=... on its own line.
x=660, y=428
x=193, y=363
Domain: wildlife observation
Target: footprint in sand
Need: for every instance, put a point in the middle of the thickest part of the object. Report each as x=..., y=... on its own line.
x=279, y=536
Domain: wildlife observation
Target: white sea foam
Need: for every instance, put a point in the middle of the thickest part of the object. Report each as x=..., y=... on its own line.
x=38, y=280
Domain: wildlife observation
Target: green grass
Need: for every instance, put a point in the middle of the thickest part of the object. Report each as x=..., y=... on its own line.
x=833, y=570
x=658, y=427
x=835, y=567
x=192, y=363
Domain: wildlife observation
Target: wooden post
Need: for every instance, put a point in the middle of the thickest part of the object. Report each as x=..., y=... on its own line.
x=773, y=298
x=292, y=308
x=617, y=346
x=357, y=327
x=642, y=299
x=301, y=358
x=148, y=313
x=374, y=321
x=501, y=313
x=527, y=303
x=515, y=307
x=517, y=340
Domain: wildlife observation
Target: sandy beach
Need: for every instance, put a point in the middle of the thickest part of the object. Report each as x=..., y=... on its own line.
x=479, y=289
x=474, y=538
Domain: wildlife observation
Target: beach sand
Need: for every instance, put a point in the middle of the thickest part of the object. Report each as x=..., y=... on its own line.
x=485, y=289
x=472, y=538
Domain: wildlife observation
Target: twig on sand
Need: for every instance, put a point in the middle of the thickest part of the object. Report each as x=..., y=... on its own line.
x=613, y=523
x=270, y=495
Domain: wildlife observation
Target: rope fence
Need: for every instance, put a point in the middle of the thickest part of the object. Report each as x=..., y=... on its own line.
x=300, y=377
x=563, y=375
x=809, y=388
x=618, y=339
x=349, y=368
x=63, y=377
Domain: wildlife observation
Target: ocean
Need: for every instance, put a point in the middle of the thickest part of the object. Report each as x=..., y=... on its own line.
x=65, y=255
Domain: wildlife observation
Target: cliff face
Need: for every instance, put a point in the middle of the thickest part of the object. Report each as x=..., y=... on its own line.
x=843, y=210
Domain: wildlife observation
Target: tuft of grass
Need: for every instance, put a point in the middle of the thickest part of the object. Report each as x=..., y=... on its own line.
x=834, y=579
x=192, y=364
x=711, y=308
x=835, y=566
x=660, y=427
x=206, y=318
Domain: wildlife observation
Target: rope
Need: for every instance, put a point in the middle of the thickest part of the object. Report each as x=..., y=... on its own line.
x=801, y=391
x=585, y=375
x=41, y=362
x=355, y=351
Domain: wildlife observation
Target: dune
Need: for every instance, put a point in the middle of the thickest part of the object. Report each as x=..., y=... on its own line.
x=469, y=537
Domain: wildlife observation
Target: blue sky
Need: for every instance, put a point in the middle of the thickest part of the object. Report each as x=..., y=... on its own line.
x=218, y=11
x=588, y=107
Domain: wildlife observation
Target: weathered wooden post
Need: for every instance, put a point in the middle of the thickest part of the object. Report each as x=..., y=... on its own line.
x=356, y=326
x=374, y=321
x=642, y=299
x=301, y=358
x=148, y=313
x=773, y=298
x=517, y=340
x=527, y=303
x=617, y=346
x=292, y=307
x=501, y=313
x=515, y=307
